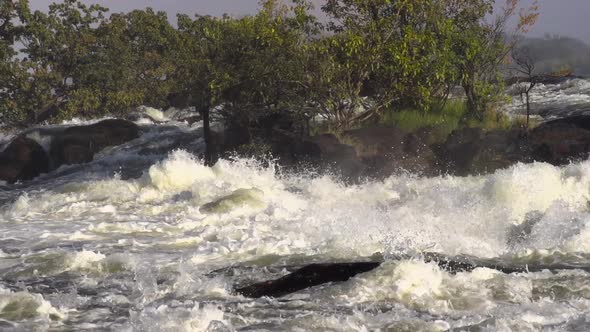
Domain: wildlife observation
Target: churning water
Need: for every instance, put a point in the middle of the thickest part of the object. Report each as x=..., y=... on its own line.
x=133, y=242
x=554, y=100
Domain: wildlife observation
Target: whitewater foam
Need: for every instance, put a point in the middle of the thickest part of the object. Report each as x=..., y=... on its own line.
x=170, y=261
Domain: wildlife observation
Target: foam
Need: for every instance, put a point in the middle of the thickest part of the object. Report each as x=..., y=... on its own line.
x=186, y=317
x=21, y=306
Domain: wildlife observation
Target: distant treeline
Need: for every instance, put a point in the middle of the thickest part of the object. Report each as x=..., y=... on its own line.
x=373, y=55
x=557, y=53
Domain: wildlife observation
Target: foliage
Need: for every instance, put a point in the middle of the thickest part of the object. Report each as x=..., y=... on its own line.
x=446, y=118
x=483, y=45
x=371, y=57
x=397, y=52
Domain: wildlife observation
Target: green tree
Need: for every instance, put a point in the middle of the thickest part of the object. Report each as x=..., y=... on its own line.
x=245, y=66
x=60, y=47
x=397, y=52
x=482, y=46
x=134, y=61
x=13, y=15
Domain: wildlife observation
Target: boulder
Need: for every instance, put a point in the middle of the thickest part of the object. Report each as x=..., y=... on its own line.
x=242, y=197
x=561, y=141
x=308, y=276
x=23, y=159
x=318, y=274
x=79, y=144
x=326, y=152
x=474, y=151
x=387, y=150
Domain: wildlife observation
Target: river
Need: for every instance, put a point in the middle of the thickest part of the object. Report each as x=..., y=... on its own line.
x=124, y=244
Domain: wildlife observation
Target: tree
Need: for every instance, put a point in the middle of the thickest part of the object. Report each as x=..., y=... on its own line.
x=14, y=74
x=133, y=61
x=525, y=66
x=60, y=46
x=244, y=67
x=396, y=51
x=482, y=46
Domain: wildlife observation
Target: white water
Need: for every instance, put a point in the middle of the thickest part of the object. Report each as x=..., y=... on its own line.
x=130, y=243
x=554, y=100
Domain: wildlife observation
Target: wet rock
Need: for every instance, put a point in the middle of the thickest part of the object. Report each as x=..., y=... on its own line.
x=474, y=151
x=308, y=276
x=561, y=141
x=318, y=274
x=23, y=159
x=241, y=197
x=79, y=144
x=387, y=150
x=327, y=153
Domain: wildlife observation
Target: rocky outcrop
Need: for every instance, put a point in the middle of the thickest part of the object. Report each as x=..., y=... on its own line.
x=379, y=152
x=23, y=159
x=472, y=151
x=308, y=276
x=387, y=150
x=318, y=274
x=561, y=141
x=79, y=144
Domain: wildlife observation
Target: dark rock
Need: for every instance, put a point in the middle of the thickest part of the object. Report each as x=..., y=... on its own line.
x=561, y=141
x=473, y=151
x=308, y=276
x=79, y=144
x=23, y=159
x=578, y=121
x=318, y=274
x=327, y=152
x=379, y=152
x=387, y=150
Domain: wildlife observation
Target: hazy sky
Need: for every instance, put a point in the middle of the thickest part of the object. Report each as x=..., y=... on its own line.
x=564, y=17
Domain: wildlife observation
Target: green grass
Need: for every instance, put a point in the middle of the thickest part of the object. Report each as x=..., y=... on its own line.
x=445, y=119
x=440, y=120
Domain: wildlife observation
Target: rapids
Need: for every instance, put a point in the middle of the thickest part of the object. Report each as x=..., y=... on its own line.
x=554, y=100
x=149, y=239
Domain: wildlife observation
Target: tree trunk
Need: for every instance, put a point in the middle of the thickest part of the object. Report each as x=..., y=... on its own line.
x=528, y=109
x=471, y=100
x=204, y=110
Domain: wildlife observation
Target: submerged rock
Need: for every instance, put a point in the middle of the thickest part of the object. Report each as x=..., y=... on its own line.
x=318, y=274
x=241, y=197
x=23, y=159
x=308, y=276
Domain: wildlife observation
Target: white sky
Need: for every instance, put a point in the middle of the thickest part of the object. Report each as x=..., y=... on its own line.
x=563, y=17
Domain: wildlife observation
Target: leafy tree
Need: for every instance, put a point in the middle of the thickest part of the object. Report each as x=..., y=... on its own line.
x=59, y=49
x=12, y=24
x=244, y=66
x=398, y=51
x=134, y=61
x=482, y=45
